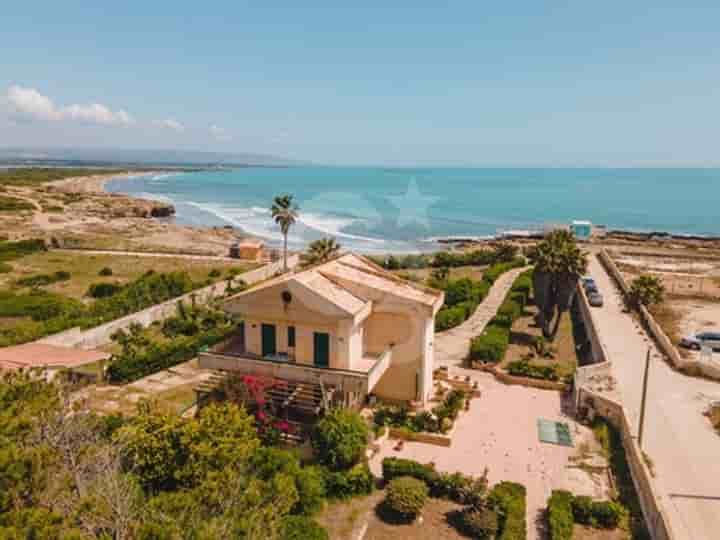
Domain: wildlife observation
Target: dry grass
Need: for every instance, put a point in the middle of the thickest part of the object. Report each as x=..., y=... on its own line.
x=670, y=320
x=84, y=269
x=580, y=532
x=422, y=274
x=345, y=520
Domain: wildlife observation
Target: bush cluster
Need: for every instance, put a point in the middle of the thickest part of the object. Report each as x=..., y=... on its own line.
x=453, y=486
x=105, y=271
x=479, y=523
x=406, y=496
x=14, y=250
x=133, y=364
x=302, y=528
x=13, y=204
x=509, y=500
x=462, y=296
x=440, y=420
x=340, y=438
x=565, y=509
x=39, y=280
x=103, y=289
x=524, y=368
x=5, y=268
x=348, y=483
x=491, y=345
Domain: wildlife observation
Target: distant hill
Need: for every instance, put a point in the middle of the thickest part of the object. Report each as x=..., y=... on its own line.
x=100, y=156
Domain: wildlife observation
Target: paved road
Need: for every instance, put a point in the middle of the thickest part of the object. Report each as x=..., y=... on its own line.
x=451, y=346
x=683, y=447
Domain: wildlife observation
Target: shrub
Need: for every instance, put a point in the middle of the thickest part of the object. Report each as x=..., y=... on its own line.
x=560, y=515
x=103, y=290
x=603, y=514
x=491, y=345
x=43, y=279
x=582, y=509
x=358, y=480
x=508, y=498
x=523, y=368
x=646, y=290
x=340, y=438
x=406, y=496
x=448, y=318
x=302, y=528
x=479, y=523
x=14, y=250
x=393, y=467
x=105, y=271
x=215, y=273
x=5, y=268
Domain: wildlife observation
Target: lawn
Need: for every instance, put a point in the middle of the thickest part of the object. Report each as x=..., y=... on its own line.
x=345, y=520
x=85, y=268
x=525, y=331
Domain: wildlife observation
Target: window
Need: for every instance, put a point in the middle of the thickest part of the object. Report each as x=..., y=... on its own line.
x=291, y=336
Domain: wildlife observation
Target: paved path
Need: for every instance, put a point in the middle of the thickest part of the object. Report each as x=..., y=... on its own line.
x=451, y=346
x=683, y=447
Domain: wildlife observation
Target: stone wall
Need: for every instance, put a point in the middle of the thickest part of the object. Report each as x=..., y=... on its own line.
x=652, y=504
x=663, y=342
x=100, y=335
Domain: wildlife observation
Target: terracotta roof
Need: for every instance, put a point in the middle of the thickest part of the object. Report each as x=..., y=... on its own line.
x=326, y=280
x=41, y=355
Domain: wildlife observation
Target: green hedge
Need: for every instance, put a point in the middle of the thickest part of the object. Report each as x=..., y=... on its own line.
x=560, y=515
x=159, y=356
x=510, y=500
x=345, y=484
x=302, y=528
x=523, y=368
x=492, y=344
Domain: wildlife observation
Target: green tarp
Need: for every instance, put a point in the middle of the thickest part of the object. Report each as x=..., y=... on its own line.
x=553, y=432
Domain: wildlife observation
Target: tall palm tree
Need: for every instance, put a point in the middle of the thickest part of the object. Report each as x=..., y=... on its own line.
x=320, y=251
x=559, y=263
x=285, y=213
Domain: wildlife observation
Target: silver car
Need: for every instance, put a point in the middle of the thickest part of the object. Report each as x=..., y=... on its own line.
x=695, y=341
x=595, y=299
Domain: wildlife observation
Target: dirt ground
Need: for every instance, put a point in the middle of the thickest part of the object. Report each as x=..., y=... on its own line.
x=422, y=274
x=524, y=331
x=581, y=532
x=172, y=389
x=84, y=269
x=695, y=315
x=347, y=520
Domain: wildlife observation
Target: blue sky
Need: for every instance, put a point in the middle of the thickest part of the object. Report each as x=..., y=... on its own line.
x=484, y=83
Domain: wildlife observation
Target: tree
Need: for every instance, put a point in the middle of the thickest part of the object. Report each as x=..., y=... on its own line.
x=559, y=263
x=320, y=251
x=646, y=290
x=340, y=438
x=284, y=212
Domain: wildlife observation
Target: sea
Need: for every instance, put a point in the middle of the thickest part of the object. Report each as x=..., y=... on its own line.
x=381, y=209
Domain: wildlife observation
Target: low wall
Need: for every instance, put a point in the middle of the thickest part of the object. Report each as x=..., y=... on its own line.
x=506, y=378
x=438, y=439
x=652, y=504
x=100, y=335
x=663, y=342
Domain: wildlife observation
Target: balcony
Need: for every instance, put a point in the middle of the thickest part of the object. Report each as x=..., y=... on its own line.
x=232, y=356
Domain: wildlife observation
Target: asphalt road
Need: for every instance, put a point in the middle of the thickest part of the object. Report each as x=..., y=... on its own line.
x=679, y=440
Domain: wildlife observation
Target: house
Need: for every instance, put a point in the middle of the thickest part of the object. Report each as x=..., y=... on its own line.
x=346, y=325
x=582, y=230
x=249, y=250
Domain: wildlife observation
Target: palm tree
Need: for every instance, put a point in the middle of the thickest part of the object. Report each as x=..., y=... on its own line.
x=646, y=290
x=559, y=263
x=320, y=251
x=285, y=213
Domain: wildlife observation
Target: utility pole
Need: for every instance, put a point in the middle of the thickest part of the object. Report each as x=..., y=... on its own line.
x=644, y=398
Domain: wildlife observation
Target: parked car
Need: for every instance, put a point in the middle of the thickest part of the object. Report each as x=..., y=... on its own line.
x=586, y=280
x=595, y=299
x=695, y=341
x=591, y=288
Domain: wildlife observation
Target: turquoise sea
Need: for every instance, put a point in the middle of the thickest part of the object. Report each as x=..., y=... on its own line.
x=403, y=209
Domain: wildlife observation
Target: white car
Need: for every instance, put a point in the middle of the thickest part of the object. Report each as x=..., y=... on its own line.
x=695, y=341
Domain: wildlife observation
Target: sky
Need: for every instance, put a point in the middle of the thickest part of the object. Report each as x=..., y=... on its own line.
x=523, y=83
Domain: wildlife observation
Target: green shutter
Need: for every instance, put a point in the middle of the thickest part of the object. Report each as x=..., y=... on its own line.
x=268, y=339
x=291, y=336
x=321, y=353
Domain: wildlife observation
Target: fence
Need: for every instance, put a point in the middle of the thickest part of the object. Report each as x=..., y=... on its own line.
x=100, y=335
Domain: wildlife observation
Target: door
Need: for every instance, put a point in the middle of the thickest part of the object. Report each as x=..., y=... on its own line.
x=268, y=339
x=321, y=348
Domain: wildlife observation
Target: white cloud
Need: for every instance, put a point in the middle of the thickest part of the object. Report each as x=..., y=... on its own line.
x=219, y=133
x=170, y=123
x=29, y=104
